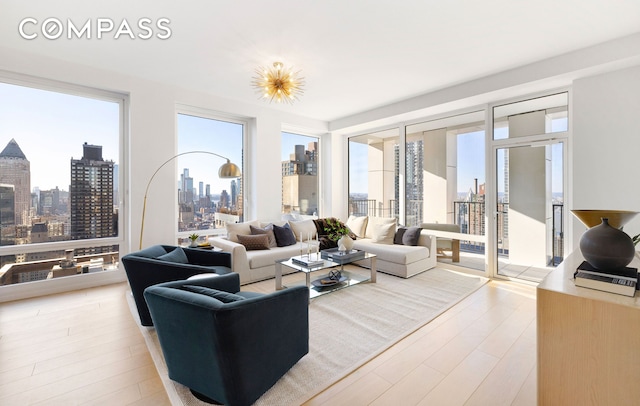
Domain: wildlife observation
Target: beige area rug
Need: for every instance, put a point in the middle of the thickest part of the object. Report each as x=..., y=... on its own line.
x=347, y=328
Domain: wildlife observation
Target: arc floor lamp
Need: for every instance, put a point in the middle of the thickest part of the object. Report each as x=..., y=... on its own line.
x=228, y=170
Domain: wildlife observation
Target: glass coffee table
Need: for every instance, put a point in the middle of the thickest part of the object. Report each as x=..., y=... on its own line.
x=321, y=273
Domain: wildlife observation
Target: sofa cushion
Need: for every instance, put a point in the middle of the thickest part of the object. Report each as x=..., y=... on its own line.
x=383, y=233
x=177, y=256
x=305, y=229
x=254, y=242
x=399, y=254
x=259, y=259
x=268, y=230
x=224, y=297
x=357, y=225
x=374, y=222
x=284, y=235
x=233, y=229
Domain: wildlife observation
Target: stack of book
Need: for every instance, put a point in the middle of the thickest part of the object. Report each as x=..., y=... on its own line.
x=308, y=261
x=621, y=281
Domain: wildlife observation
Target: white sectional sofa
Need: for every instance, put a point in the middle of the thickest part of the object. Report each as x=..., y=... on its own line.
x=374, y=234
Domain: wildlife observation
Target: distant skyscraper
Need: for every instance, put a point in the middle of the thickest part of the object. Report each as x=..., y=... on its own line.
x=200, y=190
x=7, y=215
x=91, y=194
x=15, y=170
x=49, y=202
x=234, y=193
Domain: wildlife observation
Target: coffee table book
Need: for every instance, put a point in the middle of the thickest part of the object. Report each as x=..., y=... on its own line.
x=308, y=261
x=623, y=282
x=625, y=272
x=333, y=254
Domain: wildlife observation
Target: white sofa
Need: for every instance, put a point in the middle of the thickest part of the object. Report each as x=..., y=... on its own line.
x=374, y=234
x=254, y=266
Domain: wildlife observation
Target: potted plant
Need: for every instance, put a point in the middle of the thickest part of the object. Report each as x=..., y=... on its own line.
x=338, y=232
x=194, y=240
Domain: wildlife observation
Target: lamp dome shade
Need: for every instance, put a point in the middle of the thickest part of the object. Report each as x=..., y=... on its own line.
x=229, y=170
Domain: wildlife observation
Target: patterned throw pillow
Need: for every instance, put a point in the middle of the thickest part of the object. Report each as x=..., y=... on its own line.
x=268, y=230
x=254, y=242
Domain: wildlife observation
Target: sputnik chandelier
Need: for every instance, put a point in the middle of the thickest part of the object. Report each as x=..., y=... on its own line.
x=278, y=83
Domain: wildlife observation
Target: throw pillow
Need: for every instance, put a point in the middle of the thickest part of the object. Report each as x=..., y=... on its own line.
x=268, y=230
x=383, y=233
x=374, y=222
x=152, y=252
x=233, y=229
x=224, y=297
x=284, y=235
x=357, y=224
x=177, y=255
x=397, y=239
x=411, y=236
x=305, y=229
x=254, y=242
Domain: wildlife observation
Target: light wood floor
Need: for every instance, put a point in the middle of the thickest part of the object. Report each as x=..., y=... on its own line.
x=83, y=348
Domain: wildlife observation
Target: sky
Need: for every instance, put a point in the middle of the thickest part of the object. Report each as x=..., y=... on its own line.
x=51, y=127
x=205, y=134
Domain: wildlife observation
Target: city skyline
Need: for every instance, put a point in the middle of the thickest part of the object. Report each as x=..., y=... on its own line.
x=51, y=129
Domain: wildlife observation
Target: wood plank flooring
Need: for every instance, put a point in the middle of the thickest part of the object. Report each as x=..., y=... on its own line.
x=76, y=348
x=83, y=348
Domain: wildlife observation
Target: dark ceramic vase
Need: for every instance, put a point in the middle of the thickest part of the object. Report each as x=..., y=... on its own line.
x=606, y=248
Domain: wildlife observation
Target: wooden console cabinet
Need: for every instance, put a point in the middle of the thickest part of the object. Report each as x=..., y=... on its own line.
x=588, y=342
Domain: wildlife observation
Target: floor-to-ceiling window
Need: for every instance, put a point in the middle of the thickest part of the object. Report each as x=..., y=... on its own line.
x=530, y=138
x=300, y=159
x=374, y=176
x=207, y=202
x=445, y=184
x=60, y=180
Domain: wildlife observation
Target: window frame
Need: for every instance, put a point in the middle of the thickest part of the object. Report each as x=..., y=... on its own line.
x=42, y=287
x=210, y=114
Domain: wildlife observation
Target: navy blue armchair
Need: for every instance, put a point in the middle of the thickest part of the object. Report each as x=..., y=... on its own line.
x=225, y=345
x=164, y=263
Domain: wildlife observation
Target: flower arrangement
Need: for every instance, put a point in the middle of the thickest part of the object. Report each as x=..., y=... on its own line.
x=335, y=229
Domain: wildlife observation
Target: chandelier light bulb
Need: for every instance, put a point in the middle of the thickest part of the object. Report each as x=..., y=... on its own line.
x=273, y=83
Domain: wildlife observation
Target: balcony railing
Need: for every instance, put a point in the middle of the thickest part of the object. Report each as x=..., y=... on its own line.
x=471, y=218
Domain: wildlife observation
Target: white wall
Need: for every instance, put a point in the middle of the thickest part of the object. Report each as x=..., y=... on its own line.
x=606, y=145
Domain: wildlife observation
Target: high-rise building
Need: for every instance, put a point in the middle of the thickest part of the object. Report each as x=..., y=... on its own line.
x=7, y=215
x=91, y=194
x=49, y=202
x=15, y=170
x=300, y=180
x=234, y=193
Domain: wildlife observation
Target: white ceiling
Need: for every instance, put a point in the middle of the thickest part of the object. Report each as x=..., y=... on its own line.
x=355, y=55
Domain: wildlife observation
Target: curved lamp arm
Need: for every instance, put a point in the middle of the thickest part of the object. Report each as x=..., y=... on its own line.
x=227, y=170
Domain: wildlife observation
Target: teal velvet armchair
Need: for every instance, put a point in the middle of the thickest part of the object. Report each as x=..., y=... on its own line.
x=225, y=345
